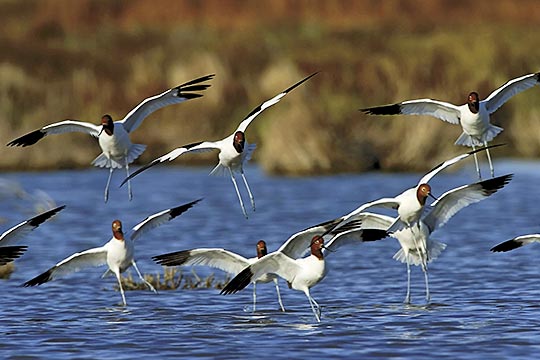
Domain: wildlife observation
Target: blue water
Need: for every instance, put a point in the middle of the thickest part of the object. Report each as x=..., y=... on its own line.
x=484, y=305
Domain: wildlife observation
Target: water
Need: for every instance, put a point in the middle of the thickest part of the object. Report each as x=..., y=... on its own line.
x=484, y=305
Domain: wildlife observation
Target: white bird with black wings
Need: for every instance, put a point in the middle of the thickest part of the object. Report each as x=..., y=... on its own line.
x=117, y=254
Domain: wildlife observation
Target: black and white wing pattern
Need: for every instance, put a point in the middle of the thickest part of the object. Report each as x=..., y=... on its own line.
x=56, y=128
x=213, y=257
x=160, y=218
x=10, y=253
x=516, y=242
x=498, y=97
x=456, y=199
x=439, y=109
x=175, y=95
x=20, y=230
x=265, y=105
x=76, y=262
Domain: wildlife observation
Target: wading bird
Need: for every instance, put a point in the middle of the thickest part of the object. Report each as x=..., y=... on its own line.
x=117, y=254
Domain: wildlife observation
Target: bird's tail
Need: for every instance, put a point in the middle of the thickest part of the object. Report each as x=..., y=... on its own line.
x=134, y=152
x=415, y=258
x=467, y=140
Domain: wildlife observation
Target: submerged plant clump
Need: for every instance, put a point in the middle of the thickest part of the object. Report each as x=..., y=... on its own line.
x=173, y=278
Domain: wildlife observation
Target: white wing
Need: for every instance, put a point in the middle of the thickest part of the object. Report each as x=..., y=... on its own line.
x=175, y=95
x=195, y=147
x=56, y=128
x=20, y=230
x=516, y=242
x=74, y=263
x=456, y=199
x=439, y=109
x=425, y=179
x=216, y=258
x=159, y=218
x=275, y=263
x=498, y=97
x=259, y=109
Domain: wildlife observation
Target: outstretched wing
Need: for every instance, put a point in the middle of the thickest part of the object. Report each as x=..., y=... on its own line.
x=159, y=218
x=10, y=253
x=516, y=242
x=456, y=199
x=439, y=109
x=213, y=257
x=425, y=179
x=259, y=109
x=56, y=128
x=20, y=230
x=275, y=263
x=354, y=236
x=498, y=97
x=74, y=263
x=175, y=95
x=195, y=147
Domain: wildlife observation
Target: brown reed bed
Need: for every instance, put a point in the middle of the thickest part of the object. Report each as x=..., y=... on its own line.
x=173, y=278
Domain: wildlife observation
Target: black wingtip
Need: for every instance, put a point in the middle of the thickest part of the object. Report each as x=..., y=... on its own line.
x=183, y=208
x=374, y=234
x=138, y=171
x=40, y=279
x=176, y=258
x=41, y=218
x=393, y=109
x=492, y=185
x=300, y=82
x=28, y=139
x=10, y=253
x=507, y=246
x=239, y=282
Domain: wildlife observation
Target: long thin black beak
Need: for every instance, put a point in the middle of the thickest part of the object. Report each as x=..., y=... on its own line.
x=430, y=194
x=327, y=249
x=102, y=128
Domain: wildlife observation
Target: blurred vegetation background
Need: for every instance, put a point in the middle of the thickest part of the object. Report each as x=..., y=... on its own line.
x=81, y=59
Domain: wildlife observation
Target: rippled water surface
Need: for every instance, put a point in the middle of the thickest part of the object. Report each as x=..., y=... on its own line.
x=484, y=305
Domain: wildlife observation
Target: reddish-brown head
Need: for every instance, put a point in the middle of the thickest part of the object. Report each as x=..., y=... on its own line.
x=261, y=249
x=117, y=230
x=423, y=191
x=473, y=101
x=239, y=141
x=317, y=244
x=108, y=124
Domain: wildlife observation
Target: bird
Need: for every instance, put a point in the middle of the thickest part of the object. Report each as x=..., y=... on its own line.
x=417, y=246
x=113, y=136
x=117, y=253
x=410, y=204
x=295, y=246
x=14, y=234
x=10, y=253
x=473, y=116
x=300, y=273
x=234, y=150
x=516, y=242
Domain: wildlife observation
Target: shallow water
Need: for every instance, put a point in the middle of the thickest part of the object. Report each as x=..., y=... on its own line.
x=484, y=305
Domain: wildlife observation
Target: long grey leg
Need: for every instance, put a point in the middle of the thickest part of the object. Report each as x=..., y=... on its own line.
x=121, y=288
x=108, y=183
x=489, y=160
x=141, y=277
x=424, y=268
x=408, y=296
x=130, y=194
x=254, y=296
x=314, y=306
x=238, y=193
x=476, y=163
x=279, y=295
x=251, y=198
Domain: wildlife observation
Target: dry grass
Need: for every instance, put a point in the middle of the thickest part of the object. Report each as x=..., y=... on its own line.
x=64, y=59
x=173, y=278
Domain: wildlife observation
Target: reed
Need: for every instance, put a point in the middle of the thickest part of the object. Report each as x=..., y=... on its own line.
x=173, y=278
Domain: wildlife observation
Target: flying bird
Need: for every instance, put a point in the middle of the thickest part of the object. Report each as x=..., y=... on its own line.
x=234, y=150
x=473, y=116
x=117, y=149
